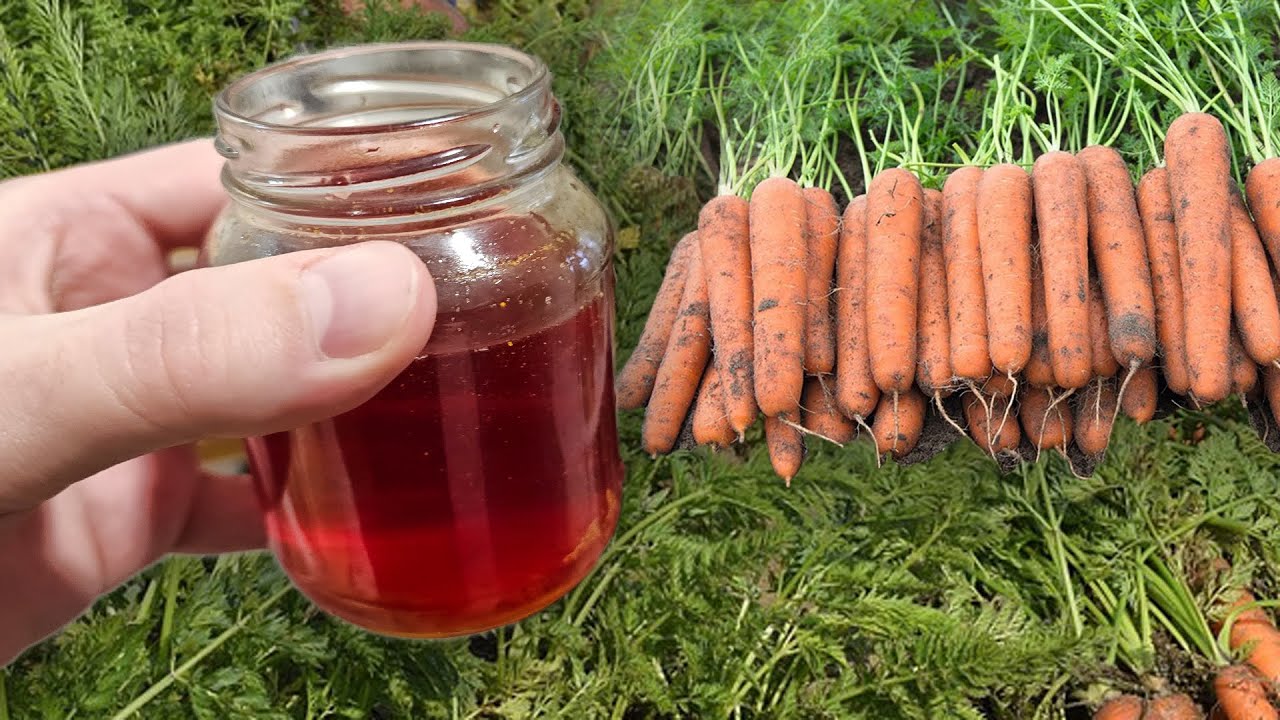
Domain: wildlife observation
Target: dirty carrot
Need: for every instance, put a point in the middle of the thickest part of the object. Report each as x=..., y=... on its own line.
x=1104, y=363
x=1121, y=707
x=1095, y=415
x=856, y=390
x=1120, y=255
x=1044, y=427
x=635, y=380
x=1242, y=695
x=1263, y=189
x=1156, y=207
x=1253, y=298
x=786, y=447
x=1198, y=158
x=723, y=236
x=1060, y=190
x=1244, y=373
x=899, y=421
x=966, y=300
x=1254, y=630
x=1141, y=396
x=683, y=364
x=779, y=285
x=822, y=416
x=822, y=229
x=710, y=421
x=933, y=366
x=1271, y=384
x=1039, y=369
x=895, y=215
x=989, y=422
x=1178, y=706
x=1004, y=238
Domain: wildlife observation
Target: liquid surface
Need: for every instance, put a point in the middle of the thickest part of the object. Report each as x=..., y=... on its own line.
x=474, y=490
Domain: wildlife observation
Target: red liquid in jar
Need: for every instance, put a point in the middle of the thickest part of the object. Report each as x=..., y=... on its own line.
x=474, y=490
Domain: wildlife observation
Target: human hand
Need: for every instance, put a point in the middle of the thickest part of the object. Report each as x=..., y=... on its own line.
x=109, y=370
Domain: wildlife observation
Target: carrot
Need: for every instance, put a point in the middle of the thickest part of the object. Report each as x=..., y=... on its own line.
x=1241, y=695
x=1263, y=189
x=1253, y=630
x=635, y=380
x=993, y=431
x=999, y=386
x=778, y=252
x=1120, y=254
x=1095, y=414
x=1045, y=428
x=710, y=421
x=898, y=422
x=683, y=364
x=1039, y=369
x=1140, y=398
x=966, y=299
x=895, y=214
x=1178, y=706
x=1060, y=191
x=1244, y=374
x=822, y=228
x=1004, y=238
x=1121, y=707
x=723, y=239
x=1104, y=363
x=1198, y=159
x=821, y=415
x=1271, y=383
x=856, y=390
x=1156, y=207
x=933, y=367
x=1253, y=298
x=786, y=447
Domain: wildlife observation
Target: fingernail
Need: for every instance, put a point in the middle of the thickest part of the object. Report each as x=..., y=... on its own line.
x=359, y=298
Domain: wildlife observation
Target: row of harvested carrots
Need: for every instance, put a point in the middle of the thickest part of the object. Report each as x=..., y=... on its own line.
x=1244, y=691
x=1066, y=279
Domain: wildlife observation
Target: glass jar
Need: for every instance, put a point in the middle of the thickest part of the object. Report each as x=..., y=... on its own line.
x=482, y=483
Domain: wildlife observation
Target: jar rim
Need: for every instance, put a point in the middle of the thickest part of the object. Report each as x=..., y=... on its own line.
x=537, y=68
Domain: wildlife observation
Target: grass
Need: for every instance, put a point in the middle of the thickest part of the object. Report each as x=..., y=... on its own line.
x=944, y=589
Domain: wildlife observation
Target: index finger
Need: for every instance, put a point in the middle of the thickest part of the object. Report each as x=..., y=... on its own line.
x=173, y=191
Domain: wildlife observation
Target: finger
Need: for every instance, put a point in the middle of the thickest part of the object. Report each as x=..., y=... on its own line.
x=224, y=516
x=234, y=351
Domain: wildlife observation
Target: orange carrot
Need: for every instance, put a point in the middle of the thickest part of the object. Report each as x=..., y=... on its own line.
x=1271, y=383
x=966, y=299
x=1045, y=428
x=1178, y=706
x=1254, y=630
x=1004, y=237
x=1244, y=374
x=786, y=447
x=822, y=227
x=683, y=364
x=778, y=260
x=723, y=238
x=1241, y=695
x=1263, y=188
x=1253, y=298
x=1199, y=163
x=710, y=421
x=1039, y=369
x=1095, y=414
x=1156, y=207
x=1141, y=396
x=996, y=432
x=1060, y=191
x=1121, y=707
x=898, y=422
x=821, y=415
x=1120, y=253
x=1104, y=363
x=635, y=380
x=856, y=390
x=933, y=368
x=895, y=214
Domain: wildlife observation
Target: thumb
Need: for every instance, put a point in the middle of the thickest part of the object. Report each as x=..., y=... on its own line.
x=238, y=350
